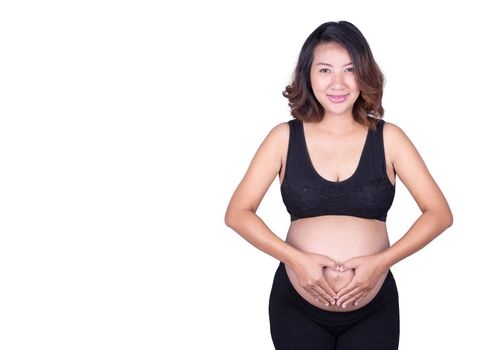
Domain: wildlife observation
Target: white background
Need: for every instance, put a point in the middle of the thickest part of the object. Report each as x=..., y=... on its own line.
x=127, y=125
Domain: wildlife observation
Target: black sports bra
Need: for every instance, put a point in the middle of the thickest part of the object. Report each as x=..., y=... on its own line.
x=368, y=193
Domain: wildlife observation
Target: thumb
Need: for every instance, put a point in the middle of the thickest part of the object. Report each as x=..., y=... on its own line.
x=334, y=265
x=331, y=263
x=349, y=264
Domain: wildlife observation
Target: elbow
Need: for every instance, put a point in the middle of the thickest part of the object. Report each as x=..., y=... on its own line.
x=233, y=216
x=450, y=219
x=447, y=218
x=229, y=218
x=443, y=218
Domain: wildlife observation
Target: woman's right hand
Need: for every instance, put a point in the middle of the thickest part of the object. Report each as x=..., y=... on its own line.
x=308, y=269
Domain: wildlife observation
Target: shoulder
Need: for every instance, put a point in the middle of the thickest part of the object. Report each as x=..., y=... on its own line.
x=396, y=141
x=393, y=134
x=280, y=130
x=278, y=135
x=261, y=172
x=276, y=142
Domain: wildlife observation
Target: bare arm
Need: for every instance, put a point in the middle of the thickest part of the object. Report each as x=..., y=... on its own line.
x=241, y=217
x=436, y=214
x=241, y=212
x=435, y=218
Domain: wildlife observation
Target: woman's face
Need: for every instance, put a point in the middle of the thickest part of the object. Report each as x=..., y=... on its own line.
x=333, y=79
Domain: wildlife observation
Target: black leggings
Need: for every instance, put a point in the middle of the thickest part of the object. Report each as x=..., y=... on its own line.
x=297, y=324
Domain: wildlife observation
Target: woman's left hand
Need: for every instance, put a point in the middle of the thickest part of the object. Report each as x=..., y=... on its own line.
x=368, y=269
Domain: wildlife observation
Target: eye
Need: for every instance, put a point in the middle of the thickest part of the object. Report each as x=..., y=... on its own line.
x=351, y=69
x=323, y=70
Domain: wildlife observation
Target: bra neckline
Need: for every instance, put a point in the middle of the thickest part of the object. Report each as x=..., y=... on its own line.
x=317, y=174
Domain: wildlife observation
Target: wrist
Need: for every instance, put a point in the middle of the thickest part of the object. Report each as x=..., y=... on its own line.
x=293, y=255
x=385, y=259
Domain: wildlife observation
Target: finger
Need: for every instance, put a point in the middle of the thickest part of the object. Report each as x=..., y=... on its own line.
x=332, y=296
x=348, y=295
x=349, y=300
x=349, y=264
x=353, y=300
x=359, y=298
x=355, y=283
x=318, y=294
x=325, y=297
x=347, y=289
x=334, y=265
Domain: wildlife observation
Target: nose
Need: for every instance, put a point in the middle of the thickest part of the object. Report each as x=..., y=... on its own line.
x=337, y=82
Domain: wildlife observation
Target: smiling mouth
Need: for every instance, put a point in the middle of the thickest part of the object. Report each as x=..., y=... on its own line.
x=337, y=98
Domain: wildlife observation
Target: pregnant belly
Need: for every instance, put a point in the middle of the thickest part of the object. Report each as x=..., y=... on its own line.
x=336, y=282
x=340, y=238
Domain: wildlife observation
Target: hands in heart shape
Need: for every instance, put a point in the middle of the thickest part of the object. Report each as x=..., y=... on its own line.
x=334, y=283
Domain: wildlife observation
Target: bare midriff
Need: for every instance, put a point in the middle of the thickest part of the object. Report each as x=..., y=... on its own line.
x=340, y=238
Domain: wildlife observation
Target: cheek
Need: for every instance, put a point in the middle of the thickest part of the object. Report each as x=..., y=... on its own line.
x=319, y=82
x=353, y=82
x=318, y=87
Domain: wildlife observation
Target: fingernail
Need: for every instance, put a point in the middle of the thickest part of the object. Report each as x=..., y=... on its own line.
x=344, y=306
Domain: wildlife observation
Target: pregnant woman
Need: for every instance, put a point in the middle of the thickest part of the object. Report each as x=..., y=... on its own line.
x=337, y=161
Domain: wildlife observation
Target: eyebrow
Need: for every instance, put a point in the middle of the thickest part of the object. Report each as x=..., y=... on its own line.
x=330, y=65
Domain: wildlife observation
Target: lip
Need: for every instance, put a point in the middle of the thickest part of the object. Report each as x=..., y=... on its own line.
x=337, y=98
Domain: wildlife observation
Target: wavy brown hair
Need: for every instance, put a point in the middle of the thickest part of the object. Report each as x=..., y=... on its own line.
x=368, y=107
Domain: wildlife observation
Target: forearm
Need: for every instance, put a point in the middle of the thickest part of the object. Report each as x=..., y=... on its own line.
x=250, y=226
x=426, y=228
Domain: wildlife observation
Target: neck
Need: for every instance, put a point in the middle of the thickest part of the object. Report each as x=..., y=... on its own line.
x=340, y=123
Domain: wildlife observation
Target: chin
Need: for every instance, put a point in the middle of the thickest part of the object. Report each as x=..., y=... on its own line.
x=342, y=110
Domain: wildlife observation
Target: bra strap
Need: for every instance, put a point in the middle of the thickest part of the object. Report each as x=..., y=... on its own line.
x=381, y=151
